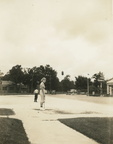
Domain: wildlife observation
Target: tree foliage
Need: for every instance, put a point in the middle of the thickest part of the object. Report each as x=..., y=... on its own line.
x=67, y=84
x=81, y=83
x=97, y=78
x=99, y=81
x=31, y=76
x=15, y=74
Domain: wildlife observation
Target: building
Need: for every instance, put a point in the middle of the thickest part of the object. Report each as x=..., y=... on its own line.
x=110, y=87
x=10, y=87
x=6, y=86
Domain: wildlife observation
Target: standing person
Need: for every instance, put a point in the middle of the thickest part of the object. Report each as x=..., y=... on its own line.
x=42, y=93
x=36, y=94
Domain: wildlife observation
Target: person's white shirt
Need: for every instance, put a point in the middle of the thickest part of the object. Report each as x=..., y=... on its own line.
x=36, y=91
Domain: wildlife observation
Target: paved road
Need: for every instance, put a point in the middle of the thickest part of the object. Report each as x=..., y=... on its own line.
x=42, y=127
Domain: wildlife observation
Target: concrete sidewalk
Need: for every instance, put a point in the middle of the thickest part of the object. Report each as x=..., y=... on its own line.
x=43, y=127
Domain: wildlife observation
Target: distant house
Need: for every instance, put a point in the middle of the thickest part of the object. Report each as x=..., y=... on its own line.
x=110, y=86
x=6, y=86
x=10, y=87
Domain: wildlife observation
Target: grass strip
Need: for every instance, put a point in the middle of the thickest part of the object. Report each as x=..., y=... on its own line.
x=7, y=112
x=12, y=132
x=99, y=129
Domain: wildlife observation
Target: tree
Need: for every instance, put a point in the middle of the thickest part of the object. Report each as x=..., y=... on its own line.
x=28, y=79
x=81, y=83
x=30, y=76
x=96, y=78
x=67, y=84
x=15, y=74
x=52, y=79
x=34, y=75
x=99, y=82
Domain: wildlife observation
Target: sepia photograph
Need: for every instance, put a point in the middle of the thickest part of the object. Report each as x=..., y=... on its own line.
x=56, y=71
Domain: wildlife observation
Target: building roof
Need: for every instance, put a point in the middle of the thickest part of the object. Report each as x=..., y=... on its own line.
x=110, y=81
x=5, y=83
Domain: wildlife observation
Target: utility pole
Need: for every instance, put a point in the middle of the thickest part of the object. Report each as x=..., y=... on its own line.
x=88, y=85
x=1, y=75
x=50, y=83
x=62, y=73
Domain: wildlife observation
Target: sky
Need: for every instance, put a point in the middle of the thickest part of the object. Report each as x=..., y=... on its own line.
x=70, y=35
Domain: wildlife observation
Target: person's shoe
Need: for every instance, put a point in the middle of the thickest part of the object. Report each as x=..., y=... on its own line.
x=41, y=108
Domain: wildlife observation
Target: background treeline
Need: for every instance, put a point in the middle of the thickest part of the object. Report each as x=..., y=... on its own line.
x=29, y=77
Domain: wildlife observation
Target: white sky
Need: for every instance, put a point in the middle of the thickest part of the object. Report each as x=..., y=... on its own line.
x=74, y=36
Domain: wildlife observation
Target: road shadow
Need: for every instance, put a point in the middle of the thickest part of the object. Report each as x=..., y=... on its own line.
x=52, y=111
x=63, y=112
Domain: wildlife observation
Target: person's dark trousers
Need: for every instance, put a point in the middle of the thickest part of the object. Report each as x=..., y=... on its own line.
x=36, y=97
